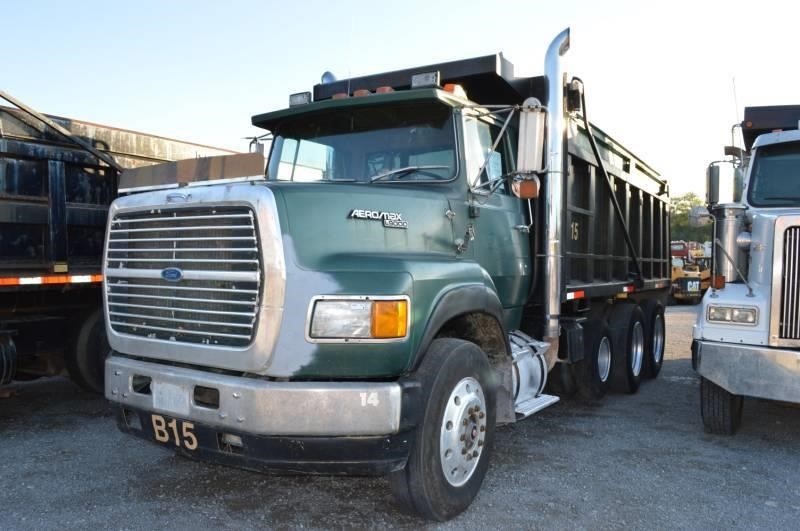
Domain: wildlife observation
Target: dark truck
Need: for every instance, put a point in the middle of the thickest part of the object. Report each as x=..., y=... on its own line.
x=394, y=285
x=54, y=199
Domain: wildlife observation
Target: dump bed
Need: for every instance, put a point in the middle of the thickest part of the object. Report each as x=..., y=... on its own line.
x=597, y=260
x=54, y=196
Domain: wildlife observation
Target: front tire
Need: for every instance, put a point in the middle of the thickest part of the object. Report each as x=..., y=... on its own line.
x=720, y=409
x=453, y=443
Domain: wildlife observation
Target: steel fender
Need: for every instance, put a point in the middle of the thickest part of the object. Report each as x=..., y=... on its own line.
x=454, y=301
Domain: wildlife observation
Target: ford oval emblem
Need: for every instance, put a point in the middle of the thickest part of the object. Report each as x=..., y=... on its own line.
x=172, y=274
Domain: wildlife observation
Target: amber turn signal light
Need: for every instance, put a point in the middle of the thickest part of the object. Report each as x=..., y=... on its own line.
x=389, y=319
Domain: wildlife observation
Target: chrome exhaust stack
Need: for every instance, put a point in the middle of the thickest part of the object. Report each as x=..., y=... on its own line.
x=555, y=76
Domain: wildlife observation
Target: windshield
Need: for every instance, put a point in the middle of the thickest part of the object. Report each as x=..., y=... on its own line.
x=775, y=178
x=386, y=143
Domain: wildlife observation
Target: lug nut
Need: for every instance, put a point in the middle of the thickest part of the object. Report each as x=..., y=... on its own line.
x=483, y=428
x=463, y=451
x=477, y=408
x=481, y=415
x=465, y=422
x=475, y=453
x=470, y=411
x=463, y=437
x=469, y=457
x=480, y=442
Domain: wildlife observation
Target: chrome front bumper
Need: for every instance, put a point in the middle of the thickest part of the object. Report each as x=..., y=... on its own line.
x=761, y=372
x=257, y=406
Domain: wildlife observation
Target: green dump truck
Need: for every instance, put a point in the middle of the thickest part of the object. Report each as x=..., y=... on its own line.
x=422, y=249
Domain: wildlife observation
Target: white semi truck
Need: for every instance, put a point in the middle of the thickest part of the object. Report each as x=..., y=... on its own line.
x=747, y=336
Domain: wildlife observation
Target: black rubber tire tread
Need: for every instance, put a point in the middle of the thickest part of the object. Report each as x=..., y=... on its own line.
x=420, y=487
x=561, y=381
x=621, y=322
x=85, y=358
x=587, y=374
x=721, y=410
x=651, y=308
x=8, y=360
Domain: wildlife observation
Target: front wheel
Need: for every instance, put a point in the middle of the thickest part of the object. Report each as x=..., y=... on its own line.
x=720, y=409
x=452, y=445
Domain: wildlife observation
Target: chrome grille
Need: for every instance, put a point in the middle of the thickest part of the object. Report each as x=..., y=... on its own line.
x=216, y=300
x=789, y=326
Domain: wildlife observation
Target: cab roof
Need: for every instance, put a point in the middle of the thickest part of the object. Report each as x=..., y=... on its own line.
x=271, y=119
x=487, y=80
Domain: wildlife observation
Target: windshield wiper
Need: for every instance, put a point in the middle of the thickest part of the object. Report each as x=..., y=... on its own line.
x=407, y=170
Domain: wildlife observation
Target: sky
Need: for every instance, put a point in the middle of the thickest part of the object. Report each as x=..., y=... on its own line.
x=666, y=79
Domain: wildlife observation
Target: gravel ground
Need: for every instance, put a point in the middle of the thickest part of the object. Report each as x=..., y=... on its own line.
x=638, y=461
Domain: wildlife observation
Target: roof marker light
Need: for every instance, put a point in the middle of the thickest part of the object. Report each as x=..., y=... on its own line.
x=301, y=98
x=456, y=90
x=383, y=90
x=425, y=79
x=361, y=92
x=340, y=96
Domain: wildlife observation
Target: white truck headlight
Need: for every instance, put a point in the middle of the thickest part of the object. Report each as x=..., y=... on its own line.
x=358, y=318
x=732, y=314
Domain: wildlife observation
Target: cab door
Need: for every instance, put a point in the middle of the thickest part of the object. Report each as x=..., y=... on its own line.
x=500, y=242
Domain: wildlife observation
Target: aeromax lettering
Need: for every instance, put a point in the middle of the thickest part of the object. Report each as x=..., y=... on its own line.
x=390, y=219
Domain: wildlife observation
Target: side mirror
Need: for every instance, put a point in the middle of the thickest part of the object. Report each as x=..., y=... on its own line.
x=738, y=184
x=712, y=185
x=699, y=217
x=530, y=149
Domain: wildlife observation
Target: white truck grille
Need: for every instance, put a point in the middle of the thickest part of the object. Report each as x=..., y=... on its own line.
x=789, y=326
x=188, y=275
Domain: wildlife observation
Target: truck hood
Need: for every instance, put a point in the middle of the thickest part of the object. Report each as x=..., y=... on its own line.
x=335, y=226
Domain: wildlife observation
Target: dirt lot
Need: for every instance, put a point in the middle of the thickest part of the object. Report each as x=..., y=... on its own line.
x=638, y=461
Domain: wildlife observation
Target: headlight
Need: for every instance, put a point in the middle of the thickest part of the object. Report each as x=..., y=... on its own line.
x=733, y=314
x=359, y=318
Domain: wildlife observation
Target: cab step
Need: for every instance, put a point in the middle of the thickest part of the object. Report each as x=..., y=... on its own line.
x=532, y=405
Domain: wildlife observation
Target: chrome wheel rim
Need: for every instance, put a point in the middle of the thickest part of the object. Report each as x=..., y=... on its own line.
x=658, y=339
x=637, y=348
x=604, y=359
x=463, y=431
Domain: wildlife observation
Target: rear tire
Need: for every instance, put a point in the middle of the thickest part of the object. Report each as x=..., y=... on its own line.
x=439, y=480
x=655, y=337
x=593, y=373
x=87, y=353
x=721, y=410
x=8, y=359
x=561, y=381
x=627, y=329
